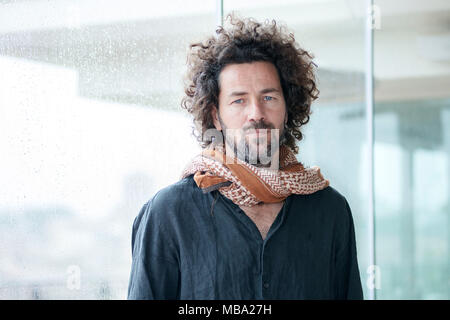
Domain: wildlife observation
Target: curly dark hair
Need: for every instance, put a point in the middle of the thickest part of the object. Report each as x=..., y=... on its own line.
x=249, y=41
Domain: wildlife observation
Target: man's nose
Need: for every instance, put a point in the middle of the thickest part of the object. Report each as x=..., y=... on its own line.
x=256, y=112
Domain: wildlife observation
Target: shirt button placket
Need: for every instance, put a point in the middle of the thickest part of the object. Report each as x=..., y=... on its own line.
x=265, y=283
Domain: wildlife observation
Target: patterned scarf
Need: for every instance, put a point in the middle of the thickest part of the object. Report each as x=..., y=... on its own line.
x=248, y=185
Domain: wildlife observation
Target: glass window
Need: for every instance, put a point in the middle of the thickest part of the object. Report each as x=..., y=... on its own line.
x=334, y=139
x=90, y=127
x=412, y=143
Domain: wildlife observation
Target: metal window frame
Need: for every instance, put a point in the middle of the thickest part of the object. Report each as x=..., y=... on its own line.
x=219, y=12
x=369, y=115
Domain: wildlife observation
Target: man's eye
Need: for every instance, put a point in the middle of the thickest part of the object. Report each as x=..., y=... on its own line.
x=237, y=100
x=271, y=98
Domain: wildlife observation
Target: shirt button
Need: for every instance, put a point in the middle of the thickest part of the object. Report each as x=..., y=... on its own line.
x=266, y=285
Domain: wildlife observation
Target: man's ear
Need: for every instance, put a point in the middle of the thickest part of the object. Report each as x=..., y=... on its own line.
x=215, y=116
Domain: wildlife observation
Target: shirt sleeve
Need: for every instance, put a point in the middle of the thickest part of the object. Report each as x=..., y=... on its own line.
x=347, y=270
x=154, y=272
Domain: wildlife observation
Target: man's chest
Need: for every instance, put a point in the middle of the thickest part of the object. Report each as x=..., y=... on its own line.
x=263, y=215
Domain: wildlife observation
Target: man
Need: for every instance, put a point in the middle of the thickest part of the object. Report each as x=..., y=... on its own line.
x=239, y=225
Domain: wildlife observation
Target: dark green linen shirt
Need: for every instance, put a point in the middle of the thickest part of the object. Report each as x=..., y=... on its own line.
x=187, y=244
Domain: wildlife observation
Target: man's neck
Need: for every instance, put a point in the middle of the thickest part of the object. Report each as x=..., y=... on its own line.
x=263, y=215
x=263, y=209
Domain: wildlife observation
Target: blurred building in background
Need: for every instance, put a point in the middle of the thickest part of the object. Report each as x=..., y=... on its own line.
x=91, y=127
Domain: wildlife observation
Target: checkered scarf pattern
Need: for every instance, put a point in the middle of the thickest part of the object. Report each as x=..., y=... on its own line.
x=275, y=185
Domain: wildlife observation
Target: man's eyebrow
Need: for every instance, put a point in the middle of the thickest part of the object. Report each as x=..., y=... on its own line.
x=241, y=93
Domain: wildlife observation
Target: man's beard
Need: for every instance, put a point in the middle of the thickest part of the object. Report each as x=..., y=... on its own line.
x=263, y=147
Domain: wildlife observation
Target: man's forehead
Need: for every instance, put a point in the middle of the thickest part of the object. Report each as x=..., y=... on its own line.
x=238, y=78
x=244, y=92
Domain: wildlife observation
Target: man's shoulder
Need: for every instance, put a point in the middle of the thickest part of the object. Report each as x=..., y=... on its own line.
x=327, y=195
x=328, y=200
x=176, y=195
x=164, y=205
x=178, y=191
x=332, y=195
x=335, y=203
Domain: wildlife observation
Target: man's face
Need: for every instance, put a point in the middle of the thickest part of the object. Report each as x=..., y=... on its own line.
x=250, y=98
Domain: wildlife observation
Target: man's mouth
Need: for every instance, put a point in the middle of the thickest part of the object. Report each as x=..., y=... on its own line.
x=257, y=131
x=258, y=135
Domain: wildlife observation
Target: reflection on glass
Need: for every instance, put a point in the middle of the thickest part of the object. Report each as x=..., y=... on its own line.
x=89, y=101
x=334, y=139
x=90, y=127
x=412, y=145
